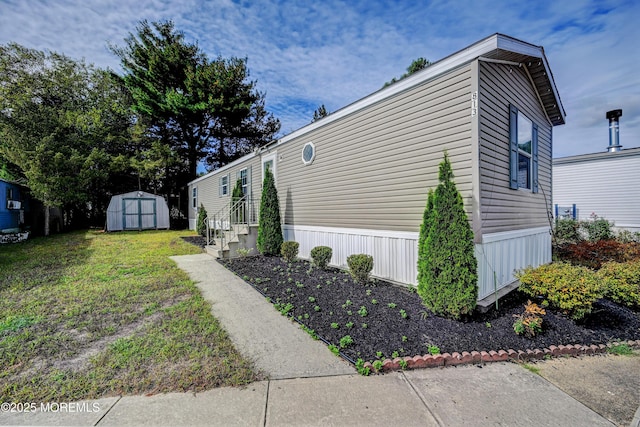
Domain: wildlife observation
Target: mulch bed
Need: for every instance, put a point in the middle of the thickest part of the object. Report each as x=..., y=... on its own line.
x=329, y=302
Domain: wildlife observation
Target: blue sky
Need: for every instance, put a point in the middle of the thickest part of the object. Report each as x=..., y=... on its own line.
x=334, y=52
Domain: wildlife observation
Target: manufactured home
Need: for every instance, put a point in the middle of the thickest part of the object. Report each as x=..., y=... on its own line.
x=604, y=184
x=357, y=180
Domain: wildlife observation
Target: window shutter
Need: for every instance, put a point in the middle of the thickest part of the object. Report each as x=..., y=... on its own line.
x=534, y=155
x=513, y=147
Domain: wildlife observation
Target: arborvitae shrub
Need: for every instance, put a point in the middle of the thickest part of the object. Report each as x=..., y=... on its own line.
x=360, y=266
x=289, y=250
x=201, y=226
x=237, y=212
x=269, y=225
x=321, y=255
x=447, y=266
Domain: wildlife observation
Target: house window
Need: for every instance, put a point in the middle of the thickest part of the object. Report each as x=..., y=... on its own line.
x=224, y=185
x=244, y=180
x=525, y=132
x=269, y=164
x=194, y=198
x=308, y=153
x=9, y=193
x=523, y=139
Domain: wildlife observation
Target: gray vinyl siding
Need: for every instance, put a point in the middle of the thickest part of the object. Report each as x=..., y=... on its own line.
x=504, y=209
x=373, y=168
x=208, y=187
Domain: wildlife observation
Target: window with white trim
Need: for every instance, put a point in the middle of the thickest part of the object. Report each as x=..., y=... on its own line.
x=224, y=186
x=244, y=180
x=269, y=163
x=523, y=140
x=194, y=197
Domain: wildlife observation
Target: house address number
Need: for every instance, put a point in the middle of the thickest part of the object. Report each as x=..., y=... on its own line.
x=474, y=103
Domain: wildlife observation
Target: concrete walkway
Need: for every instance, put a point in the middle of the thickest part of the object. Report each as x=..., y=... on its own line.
x=277, y=346
x=309, y=386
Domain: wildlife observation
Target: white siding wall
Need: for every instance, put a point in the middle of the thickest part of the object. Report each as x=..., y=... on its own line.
x=608, y=187
x=506, y=252
x=395, y=254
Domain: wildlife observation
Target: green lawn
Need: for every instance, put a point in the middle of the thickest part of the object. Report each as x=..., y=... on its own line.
x=90, y=314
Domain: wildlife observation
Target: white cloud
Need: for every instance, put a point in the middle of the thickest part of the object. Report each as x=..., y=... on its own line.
x=334, y=52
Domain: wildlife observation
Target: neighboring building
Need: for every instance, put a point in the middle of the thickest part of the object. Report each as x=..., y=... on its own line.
x=12, y=206
x=357, y=180
x=137, y=210
x=606, y=184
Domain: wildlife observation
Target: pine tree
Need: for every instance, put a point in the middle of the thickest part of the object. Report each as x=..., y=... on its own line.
x=447, y=267
x=269, y=225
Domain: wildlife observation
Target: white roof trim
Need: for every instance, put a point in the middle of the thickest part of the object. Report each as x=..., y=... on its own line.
x=224, y=168
x=464, y=56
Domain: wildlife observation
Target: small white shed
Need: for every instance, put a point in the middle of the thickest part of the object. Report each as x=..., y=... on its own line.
x=137, y=210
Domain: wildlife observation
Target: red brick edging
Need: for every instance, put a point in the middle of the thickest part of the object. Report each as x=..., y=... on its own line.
x=446, y=359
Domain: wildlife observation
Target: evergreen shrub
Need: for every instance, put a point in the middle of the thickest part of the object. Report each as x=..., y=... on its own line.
x=289, y=250
x=447, y=266
x=321, y=255
x=237, y=213
x=201, y=226
x=269, y=224
x=360, y=266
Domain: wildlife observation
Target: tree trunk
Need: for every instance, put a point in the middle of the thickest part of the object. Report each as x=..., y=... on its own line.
x=46, y=220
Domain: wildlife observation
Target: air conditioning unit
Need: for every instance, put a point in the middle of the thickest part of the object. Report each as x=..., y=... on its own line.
x=14, y=204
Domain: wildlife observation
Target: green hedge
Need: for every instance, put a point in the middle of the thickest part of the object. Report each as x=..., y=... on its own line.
x=571, y=289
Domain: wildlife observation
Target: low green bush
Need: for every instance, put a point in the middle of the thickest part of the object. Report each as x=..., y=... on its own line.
x=567, y=230
x=289, y=250
x=360, y=266
x=626, y=236
x=597, y=228
x=569, y=288
x=621, y=282
x=321, y=255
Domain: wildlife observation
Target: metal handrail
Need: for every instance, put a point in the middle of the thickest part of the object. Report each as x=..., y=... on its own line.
x=240, y=212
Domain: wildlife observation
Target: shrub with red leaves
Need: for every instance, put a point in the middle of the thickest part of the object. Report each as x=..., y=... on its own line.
x=594, y=254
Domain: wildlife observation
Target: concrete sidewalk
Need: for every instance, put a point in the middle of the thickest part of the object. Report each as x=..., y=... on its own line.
x=310, y=386
x=496, y=394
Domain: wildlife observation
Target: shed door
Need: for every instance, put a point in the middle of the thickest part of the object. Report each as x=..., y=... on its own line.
x=139, y=214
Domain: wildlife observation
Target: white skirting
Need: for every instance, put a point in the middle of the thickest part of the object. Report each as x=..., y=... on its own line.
x=501, y=254
x=395, y=253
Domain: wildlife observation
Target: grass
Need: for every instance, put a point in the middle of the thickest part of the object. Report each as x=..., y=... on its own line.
x=620, y=350
x=87, y=314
